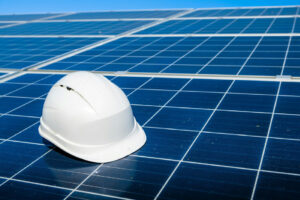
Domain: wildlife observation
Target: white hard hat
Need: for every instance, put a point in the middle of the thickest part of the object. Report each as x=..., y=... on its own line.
x=89, y=117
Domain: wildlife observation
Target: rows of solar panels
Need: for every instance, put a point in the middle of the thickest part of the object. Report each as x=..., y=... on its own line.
x=223, y=46
x=206, y=138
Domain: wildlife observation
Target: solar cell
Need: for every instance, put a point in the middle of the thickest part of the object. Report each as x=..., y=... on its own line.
x=195, y=130
x=18, y=53
x=73, y=28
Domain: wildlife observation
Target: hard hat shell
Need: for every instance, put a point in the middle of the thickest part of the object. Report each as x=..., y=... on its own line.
x=89, y=117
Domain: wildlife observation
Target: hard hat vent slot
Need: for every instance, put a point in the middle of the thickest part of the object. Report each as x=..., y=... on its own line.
x=67, y=87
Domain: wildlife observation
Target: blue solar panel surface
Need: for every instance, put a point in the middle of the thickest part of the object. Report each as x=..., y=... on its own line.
x=121, y=15
x=25, y=17
x=191, y=55
x=205, y=136
x=4, y=24
x=18, y=53
x=244, y=12
x=225, y=26
x=2, y=73
x=73, y=28
x=208, y=138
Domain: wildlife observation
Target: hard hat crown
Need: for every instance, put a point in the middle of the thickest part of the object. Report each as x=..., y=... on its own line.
x=85, y=113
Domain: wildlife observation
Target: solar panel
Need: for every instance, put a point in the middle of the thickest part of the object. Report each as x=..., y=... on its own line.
x=25, y=17
x=242, y=12
x=2, y=74
x=73, y=28
x=228, y=121
x=120, y=14
x=190, y=55
x=4, y=24
x=18, y=53
x=225, y=26
x=216, y=91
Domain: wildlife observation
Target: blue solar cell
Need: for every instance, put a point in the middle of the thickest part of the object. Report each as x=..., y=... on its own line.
x=208, y=85
x=9, y=103
x=277, y=186
x=243, y=102
x=165, y=83
x=182, y=69
x=255, y=87
x=8, y=87
x=209, y=182
x=130, y=82
x=11, y=125
x=143, y=113
x=220, y=70
x=30, y=134
x=73, y=28
x=171, y=144
x=288, y=88
x=271, y=11
x=196, y=100
x=239, y=123
x=261, y=71
x=291, y=71
x=19, y=190
x=179, y=118
x=288, y=105
x=276, y=158
x=32, y=91
x=238, y=151
x=285, y=126
x=148, y=97
x=143, y=68
x=297, y=25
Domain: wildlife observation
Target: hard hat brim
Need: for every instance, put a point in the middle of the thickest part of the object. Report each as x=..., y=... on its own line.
x=97, y=153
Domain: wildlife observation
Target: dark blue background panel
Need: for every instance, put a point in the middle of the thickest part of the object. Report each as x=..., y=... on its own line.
x=189, y=55
x=226, y=26
x=73, y=28
x=17, y=53
x=235, y=12
x=215, y=146
x=121, y=14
